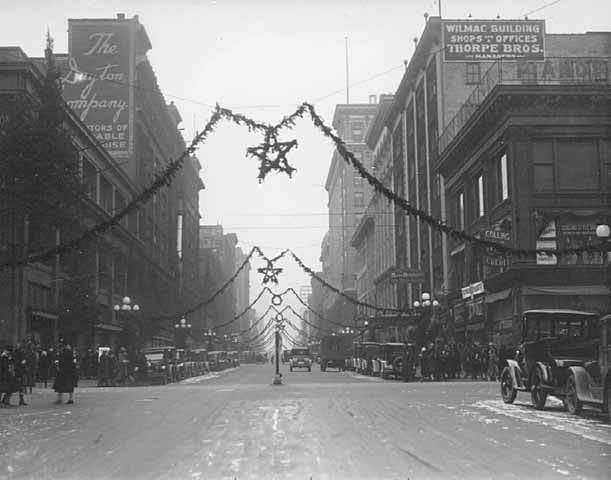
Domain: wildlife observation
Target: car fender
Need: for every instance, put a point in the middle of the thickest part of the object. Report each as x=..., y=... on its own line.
x=516, y=373
x=545, y=372
x=582, y=384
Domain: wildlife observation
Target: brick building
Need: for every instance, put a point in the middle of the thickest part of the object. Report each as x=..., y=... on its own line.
x=349, y=195
x=529, y=166
x=125, y=133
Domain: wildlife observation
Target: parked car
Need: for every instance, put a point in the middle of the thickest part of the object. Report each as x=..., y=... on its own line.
x=334, y=350
x=159, y=364
x=563, y=353
x=300, y=358
x=218, y=360
x=397, y=360
x=367, y=354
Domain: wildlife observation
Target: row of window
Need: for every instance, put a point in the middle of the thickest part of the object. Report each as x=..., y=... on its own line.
x=497, y=192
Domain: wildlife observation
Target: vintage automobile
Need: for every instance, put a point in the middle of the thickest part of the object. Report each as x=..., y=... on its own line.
x=159, y=364
x=391, y=359
x=397, y=360
x=565, y=354
x=217, y=360
x=300, y=358
x=367, y=354
x=199, y=356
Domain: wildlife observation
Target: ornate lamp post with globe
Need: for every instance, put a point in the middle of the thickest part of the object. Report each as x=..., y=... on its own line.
x=603, y=233
x=125, y=308
x=182, y=329
x=427, y=308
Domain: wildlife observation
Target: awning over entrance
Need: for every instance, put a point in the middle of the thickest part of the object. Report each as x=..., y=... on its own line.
x=566, y=290
x=495, y=297
x=108, y=327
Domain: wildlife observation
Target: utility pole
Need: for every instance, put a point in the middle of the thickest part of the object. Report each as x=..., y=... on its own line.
x=347, y=78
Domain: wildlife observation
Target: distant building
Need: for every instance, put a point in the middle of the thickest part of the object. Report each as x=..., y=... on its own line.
x=349, y=195
x=218, y=264
x=242, y=296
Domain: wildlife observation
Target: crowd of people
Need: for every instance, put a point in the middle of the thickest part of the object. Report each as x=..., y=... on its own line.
x=450, y=360
x=22, y=367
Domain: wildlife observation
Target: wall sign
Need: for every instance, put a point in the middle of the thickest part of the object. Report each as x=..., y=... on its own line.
x=98, y=84
x=465, y=40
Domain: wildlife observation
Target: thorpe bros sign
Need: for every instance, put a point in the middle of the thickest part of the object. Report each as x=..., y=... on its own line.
x=465, y=40
x=98, y=84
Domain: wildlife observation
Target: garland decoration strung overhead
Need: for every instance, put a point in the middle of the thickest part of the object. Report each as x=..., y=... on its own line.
x=270, y=274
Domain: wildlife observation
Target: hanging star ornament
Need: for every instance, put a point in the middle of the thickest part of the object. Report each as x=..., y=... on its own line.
x=270, y=274
x=265, y=153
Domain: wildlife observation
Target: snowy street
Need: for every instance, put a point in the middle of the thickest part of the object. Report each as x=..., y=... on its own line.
x=331, y=425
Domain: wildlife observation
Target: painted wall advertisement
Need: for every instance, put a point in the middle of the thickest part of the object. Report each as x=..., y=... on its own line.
x=465, y=40
x=97, y=84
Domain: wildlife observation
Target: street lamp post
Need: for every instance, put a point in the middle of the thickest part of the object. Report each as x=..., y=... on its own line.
x=426, y=305
x=603, y=233
x=126, y=307
x=279, y=328
x=182, y=328
x=210, y=336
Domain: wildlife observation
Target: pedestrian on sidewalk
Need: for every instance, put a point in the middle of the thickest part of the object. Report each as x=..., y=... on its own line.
x=44, y=366
x=20, y=362
x=7, y=376
x=66, y=379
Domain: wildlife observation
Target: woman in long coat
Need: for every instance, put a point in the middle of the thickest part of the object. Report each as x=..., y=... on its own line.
x=66, y=378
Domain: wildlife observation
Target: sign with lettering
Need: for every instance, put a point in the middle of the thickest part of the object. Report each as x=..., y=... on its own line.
x=409, y=275
x=465, y=40
x=470, y=291
x=97, y=85
x=564, y=70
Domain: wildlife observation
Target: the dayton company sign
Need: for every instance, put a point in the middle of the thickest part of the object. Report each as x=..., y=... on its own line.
x=465, y=40
x=98, y=84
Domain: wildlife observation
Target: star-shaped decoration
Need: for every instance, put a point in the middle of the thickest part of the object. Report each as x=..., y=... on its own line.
x=265, y=152
x=270, y=274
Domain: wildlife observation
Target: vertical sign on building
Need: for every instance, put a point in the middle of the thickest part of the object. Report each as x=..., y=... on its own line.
x=98, y=84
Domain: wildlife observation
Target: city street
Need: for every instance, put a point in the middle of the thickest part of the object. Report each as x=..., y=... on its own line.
x=235, y=424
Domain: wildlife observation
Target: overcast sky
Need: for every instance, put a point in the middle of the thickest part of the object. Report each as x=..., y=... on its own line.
x=263, y=58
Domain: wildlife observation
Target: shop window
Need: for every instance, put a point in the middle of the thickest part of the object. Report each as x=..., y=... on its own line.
x=473, y=73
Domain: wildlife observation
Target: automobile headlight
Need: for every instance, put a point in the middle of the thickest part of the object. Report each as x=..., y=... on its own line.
x=163, y=367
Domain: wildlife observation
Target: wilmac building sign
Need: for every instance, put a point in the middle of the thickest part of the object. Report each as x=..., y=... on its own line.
x=98, y=84
x=465, y=40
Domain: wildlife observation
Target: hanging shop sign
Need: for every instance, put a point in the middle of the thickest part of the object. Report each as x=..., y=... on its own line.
x=98, y=84
x=499, y=232
x=470, y=291
x=465, y=40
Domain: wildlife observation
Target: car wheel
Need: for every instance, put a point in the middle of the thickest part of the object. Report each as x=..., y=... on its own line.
x=507, y=391
x=538, y=396
x=309, y=369
x=571, y=400
x=291, y=369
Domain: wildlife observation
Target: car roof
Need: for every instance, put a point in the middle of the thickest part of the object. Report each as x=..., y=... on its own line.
x=561, y=312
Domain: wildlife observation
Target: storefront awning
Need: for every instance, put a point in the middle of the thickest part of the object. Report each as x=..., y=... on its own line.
x=495, y=297
x=567, y=290
x=109, y=327
x=43, y=314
